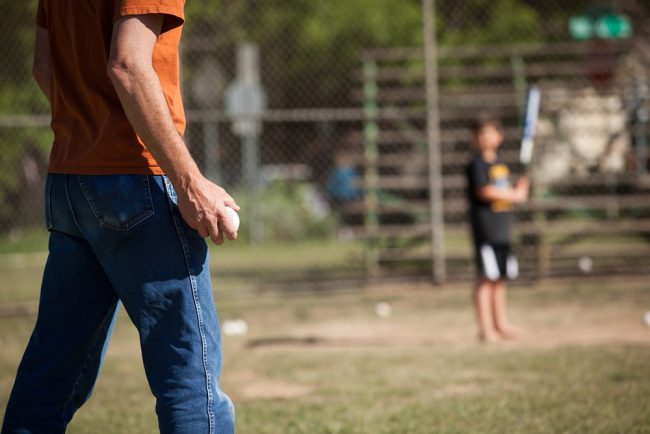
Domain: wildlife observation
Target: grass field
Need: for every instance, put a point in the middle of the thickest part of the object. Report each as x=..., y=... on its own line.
x=238, y=265
x=326, y=363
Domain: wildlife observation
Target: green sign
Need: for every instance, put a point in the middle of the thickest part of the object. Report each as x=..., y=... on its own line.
x=581, y=27
x=603, y=26
x=612, y=26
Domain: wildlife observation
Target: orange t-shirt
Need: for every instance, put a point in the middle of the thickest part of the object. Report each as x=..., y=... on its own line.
x=92, y=135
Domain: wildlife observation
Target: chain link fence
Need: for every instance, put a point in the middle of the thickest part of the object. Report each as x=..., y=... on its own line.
x=314, y=115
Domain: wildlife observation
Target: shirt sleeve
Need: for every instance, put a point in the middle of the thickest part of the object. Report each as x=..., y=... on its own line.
x=174, y=11
x=41, y=16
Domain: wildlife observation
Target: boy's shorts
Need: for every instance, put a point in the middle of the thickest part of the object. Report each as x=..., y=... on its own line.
x=496, y=262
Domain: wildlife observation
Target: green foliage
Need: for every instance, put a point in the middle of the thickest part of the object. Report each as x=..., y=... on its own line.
x=342, y=26
x=18, y=95
x=489, y=22
x=18, y=92
x=333, y=36
x=22, y=98
x=18, y=19
x=287, y=212
x=304, y=43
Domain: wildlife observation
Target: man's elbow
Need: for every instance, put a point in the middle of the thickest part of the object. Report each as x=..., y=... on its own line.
x=122, y=71
x=118, y=71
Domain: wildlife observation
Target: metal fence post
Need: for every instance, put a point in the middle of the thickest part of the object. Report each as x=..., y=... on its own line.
x=371, y=194
x=433, y=140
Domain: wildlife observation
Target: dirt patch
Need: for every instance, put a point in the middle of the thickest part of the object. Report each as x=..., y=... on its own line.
x=248, y=386
x=18, y=309
x=546, y=328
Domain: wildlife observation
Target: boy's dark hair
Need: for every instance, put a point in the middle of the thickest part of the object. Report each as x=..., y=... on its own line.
x=485, y=120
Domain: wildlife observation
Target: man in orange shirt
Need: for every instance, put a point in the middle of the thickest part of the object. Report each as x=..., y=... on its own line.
x=128, y=211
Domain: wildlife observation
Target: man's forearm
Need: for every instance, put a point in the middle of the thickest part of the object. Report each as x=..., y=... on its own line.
x=146, y=108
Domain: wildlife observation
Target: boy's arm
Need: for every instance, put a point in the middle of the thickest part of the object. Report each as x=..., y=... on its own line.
x=516, y=194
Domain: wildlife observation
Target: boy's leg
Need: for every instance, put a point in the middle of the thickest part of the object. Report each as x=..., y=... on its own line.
x=483, y=308
x=75, y=318
x=507, y=268
x=486, y=265
x=160, y=270
x=499, y=308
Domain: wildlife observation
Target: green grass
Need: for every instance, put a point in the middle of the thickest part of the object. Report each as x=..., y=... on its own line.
x=325, y=363
x=235, y=265
x=24, y=241
x=432, y=390
x=295, y=255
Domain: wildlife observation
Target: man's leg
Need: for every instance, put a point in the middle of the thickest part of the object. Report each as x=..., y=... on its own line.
x=62, y=360
x=159, y=267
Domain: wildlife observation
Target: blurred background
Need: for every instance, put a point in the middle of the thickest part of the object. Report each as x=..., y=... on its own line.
x=344, y=135
x=342, y=129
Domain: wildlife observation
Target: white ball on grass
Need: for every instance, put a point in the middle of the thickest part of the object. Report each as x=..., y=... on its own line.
x=646, y=318
x=383, y=309
x=585, y=264
x=234, y=327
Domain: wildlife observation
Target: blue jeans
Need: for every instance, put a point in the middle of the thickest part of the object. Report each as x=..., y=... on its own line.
x=121, y=238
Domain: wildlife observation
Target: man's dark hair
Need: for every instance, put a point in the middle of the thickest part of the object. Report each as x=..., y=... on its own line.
x=485, y=120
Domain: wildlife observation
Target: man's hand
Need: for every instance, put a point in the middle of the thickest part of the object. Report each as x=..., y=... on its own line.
x=203, y=206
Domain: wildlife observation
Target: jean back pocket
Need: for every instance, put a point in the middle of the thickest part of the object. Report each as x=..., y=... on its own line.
x=119, y=202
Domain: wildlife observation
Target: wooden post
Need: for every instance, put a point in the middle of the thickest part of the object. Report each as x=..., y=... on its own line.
x=433, y=139
x=519, y=83
x=371, y=193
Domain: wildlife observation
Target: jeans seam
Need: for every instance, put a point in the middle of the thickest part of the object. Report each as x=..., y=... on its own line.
x=48, y=202
x=91, y=203
x=67, y=198
x=82, y=371
x=197, y=307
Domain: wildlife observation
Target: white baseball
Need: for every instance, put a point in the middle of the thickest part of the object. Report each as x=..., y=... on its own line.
x=234, y=217
x=585, y=264
x=646, y=318
x=234, y=327
x=383, y=309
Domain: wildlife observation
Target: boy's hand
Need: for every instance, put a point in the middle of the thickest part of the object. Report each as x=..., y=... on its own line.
x=522, y=189
x=516, y=194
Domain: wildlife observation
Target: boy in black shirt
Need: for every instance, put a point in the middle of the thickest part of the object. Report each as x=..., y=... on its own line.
x=491, y=198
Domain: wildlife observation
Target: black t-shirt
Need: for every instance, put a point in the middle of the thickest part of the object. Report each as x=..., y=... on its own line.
x=491, y=221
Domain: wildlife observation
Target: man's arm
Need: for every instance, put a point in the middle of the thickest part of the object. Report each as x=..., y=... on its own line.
x=201, y=202
x=42, y=66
